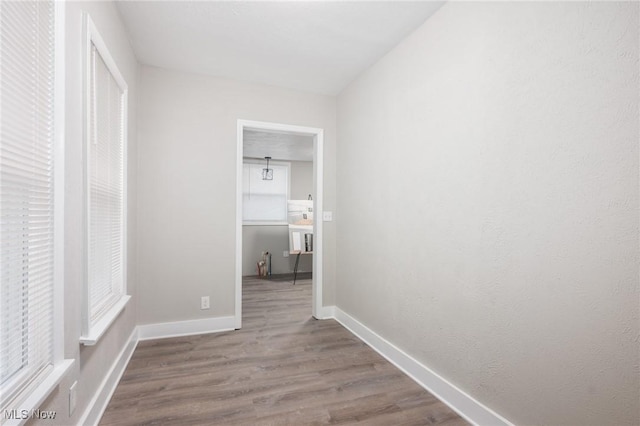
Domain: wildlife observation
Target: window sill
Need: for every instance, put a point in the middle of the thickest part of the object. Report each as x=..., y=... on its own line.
x=105, y=322
x=36, y=397
x=265, y=223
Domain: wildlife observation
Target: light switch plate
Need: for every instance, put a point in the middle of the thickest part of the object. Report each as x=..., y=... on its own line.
x=327, y=216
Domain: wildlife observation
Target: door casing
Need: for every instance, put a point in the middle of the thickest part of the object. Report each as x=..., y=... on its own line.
x=318, y=141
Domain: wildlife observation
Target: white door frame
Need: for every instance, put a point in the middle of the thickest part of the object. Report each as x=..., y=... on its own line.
x=318, y=140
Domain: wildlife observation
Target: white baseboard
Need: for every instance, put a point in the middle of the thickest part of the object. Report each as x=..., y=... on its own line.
x=326, y=312
x=465, y=405
x=185, y=328
x=98, y=403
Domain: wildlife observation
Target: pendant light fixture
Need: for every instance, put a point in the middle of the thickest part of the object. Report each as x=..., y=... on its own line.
x=267, y=174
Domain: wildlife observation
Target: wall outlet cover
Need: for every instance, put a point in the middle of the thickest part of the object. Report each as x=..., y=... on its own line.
x=204, y=302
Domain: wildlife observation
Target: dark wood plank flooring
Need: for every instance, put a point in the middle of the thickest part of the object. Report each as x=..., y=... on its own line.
x=282, y=368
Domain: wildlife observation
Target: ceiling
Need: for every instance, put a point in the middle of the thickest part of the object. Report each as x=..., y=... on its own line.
x=315, y=46
x=277, y=145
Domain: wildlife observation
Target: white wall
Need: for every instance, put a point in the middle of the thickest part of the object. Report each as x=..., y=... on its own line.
x=301, y=180
x=92, y=363
x=275, y=238
x=497, y=241
x=187, y=187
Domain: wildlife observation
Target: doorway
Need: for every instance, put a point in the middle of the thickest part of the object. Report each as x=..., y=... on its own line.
x=317, y=135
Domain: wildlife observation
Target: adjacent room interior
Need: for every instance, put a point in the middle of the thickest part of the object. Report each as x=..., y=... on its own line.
x=454, y=187
x=277, y=177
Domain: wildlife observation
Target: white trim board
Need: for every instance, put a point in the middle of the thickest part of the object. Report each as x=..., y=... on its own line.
x=185, y=328
x=327, y=312
x=459, y=401
x=95, y=409
x=465, y=405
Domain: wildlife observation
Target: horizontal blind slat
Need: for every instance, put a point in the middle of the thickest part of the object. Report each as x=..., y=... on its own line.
x=26, y=212
x=106, y=189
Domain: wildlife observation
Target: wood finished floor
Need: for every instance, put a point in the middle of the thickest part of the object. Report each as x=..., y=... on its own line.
x=282, y=368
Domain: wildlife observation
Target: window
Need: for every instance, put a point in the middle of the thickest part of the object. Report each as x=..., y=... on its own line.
x=31, y=215
x=106, y=130
x=265, y=201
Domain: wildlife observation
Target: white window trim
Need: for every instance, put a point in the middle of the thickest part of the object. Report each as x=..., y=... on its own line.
x=61, y=366
x=263, y=223
x=286, y=164
x=91, y=334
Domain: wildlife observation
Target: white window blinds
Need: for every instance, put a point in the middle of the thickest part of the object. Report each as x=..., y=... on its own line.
x=26, y=196
x=265, y=200
x=106, y=196
x=106, y=107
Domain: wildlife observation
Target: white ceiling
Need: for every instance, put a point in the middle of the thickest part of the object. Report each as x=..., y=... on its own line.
x=277, y=145
x=316, y=46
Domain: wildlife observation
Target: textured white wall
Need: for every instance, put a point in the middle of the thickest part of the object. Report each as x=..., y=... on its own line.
x=187, y=186
x=92, y=363
x=275, y=239
x=497, y=239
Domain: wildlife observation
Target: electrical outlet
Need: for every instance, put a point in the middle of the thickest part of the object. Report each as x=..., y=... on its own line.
x=73, y=397
x=204, y=302
x=285, y=253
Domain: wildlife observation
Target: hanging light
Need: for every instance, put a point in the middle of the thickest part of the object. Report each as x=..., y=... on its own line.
x=267, y=174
